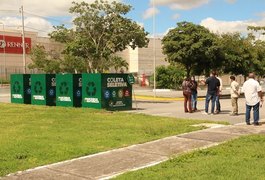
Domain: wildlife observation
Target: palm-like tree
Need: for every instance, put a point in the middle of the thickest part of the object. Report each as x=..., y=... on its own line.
x=119, y=62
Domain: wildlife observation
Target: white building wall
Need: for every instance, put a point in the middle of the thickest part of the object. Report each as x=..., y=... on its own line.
x=134, y=60
x=148, y=57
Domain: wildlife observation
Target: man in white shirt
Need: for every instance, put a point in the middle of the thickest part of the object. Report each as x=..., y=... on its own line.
x=254, y=98
x=234, y=91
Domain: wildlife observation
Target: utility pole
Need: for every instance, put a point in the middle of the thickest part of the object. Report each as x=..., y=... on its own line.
x=23, y=39
x=4, y=48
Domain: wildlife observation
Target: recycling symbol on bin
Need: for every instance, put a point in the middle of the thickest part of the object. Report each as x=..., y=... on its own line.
x=63, y=88
x=91, y=89
x=28, y=91
x=38, y=87
x=78, y=93
x=16, y=87
x=51, y=92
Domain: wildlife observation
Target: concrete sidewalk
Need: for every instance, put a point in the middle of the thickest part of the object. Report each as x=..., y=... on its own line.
x=109, y=164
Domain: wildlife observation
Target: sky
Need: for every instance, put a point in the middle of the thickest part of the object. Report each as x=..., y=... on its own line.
x=156, y=16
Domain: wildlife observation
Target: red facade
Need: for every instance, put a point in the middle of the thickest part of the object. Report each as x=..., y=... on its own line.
x=13, y=44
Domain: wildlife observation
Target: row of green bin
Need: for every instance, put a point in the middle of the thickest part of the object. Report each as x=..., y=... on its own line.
x=100, y=91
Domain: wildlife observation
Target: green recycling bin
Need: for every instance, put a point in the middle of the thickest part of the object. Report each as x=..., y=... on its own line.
x=20, y=88
x=69, y=90
x=107, y=91
x=43, y=89
x=91, y=91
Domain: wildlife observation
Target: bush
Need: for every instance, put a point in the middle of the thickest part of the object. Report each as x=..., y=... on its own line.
x=169, y=77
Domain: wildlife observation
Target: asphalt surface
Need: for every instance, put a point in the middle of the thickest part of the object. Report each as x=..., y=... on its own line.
x=170, y=104
x=109, y=164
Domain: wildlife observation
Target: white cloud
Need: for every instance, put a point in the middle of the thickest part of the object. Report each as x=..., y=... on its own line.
x=34, y=10
x=40, y=7
x=218, y=26
x=140, y=24
x=176, y=16
x=180, y=4
x=150, y=12
x=42, y=26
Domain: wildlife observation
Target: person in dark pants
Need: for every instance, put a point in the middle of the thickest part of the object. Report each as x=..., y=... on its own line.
x=213, y=85
x=186, y=88
x=219, y=93
x=254, y=98
x=194, y=94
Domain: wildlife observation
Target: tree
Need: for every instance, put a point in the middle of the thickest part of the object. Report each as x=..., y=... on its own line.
x=260, y=30
x=48, y=62
x=100, y=31
x=119, y=62
x=240, y=54
x=259, y=61
x=169, y=77
x=72, y=64
x=194, y=47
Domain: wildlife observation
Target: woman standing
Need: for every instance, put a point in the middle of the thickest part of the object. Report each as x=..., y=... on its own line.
x=186, y=88
x=194, y=94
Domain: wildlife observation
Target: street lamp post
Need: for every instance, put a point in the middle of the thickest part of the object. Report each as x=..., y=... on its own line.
x=154, y=49
x=4, y=49
x=23, y=40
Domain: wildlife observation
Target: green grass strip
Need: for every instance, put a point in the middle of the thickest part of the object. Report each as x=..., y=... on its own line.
x=32, y=136
x=242, y=158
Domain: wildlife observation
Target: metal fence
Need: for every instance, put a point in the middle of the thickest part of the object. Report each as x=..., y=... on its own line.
x=6, y=72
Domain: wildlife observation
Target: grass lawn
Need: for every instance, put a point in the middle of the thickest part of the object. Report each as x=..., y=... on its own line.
x=31, y=136
x=243, y=159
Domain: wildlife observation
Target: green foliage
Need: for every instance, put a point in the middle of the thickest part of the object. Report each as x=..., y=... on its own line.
x=47, y=135
x=193, y=46
x=73, y=64
x=260, y=29
x=237, y=159
x=240, y=54
x=48, y=62
x=169, y=77
x=118, y=63
x=259, y=47
x=100, y=31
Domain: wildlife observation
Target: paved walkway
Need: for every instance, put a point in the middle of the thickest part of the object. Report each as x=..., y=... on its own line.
x=109, y=164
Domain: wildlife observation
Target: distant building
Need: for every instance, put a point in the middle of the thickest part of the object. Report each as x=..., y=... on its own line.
x=11, y=51
x=141, y=60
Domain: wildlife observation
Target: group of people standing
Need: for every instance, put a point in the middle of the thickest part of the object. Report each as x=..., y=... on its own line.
x=251, y=89
x=190, y=93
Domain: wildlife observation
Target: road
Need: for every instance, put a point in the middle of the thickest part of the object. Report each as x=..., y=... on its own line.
x=172, y=108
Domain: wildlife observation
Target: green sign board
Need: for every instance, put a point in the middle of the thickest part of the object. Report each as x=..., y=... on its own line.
x=20, y=88
x=43, y=88
x=69, y=90
x=130, y=79
x=107, y=91
x=116, y=91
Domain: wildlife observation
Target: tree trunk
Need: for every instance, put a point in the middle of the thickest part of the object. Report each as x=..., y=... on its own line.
x=188, y=71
